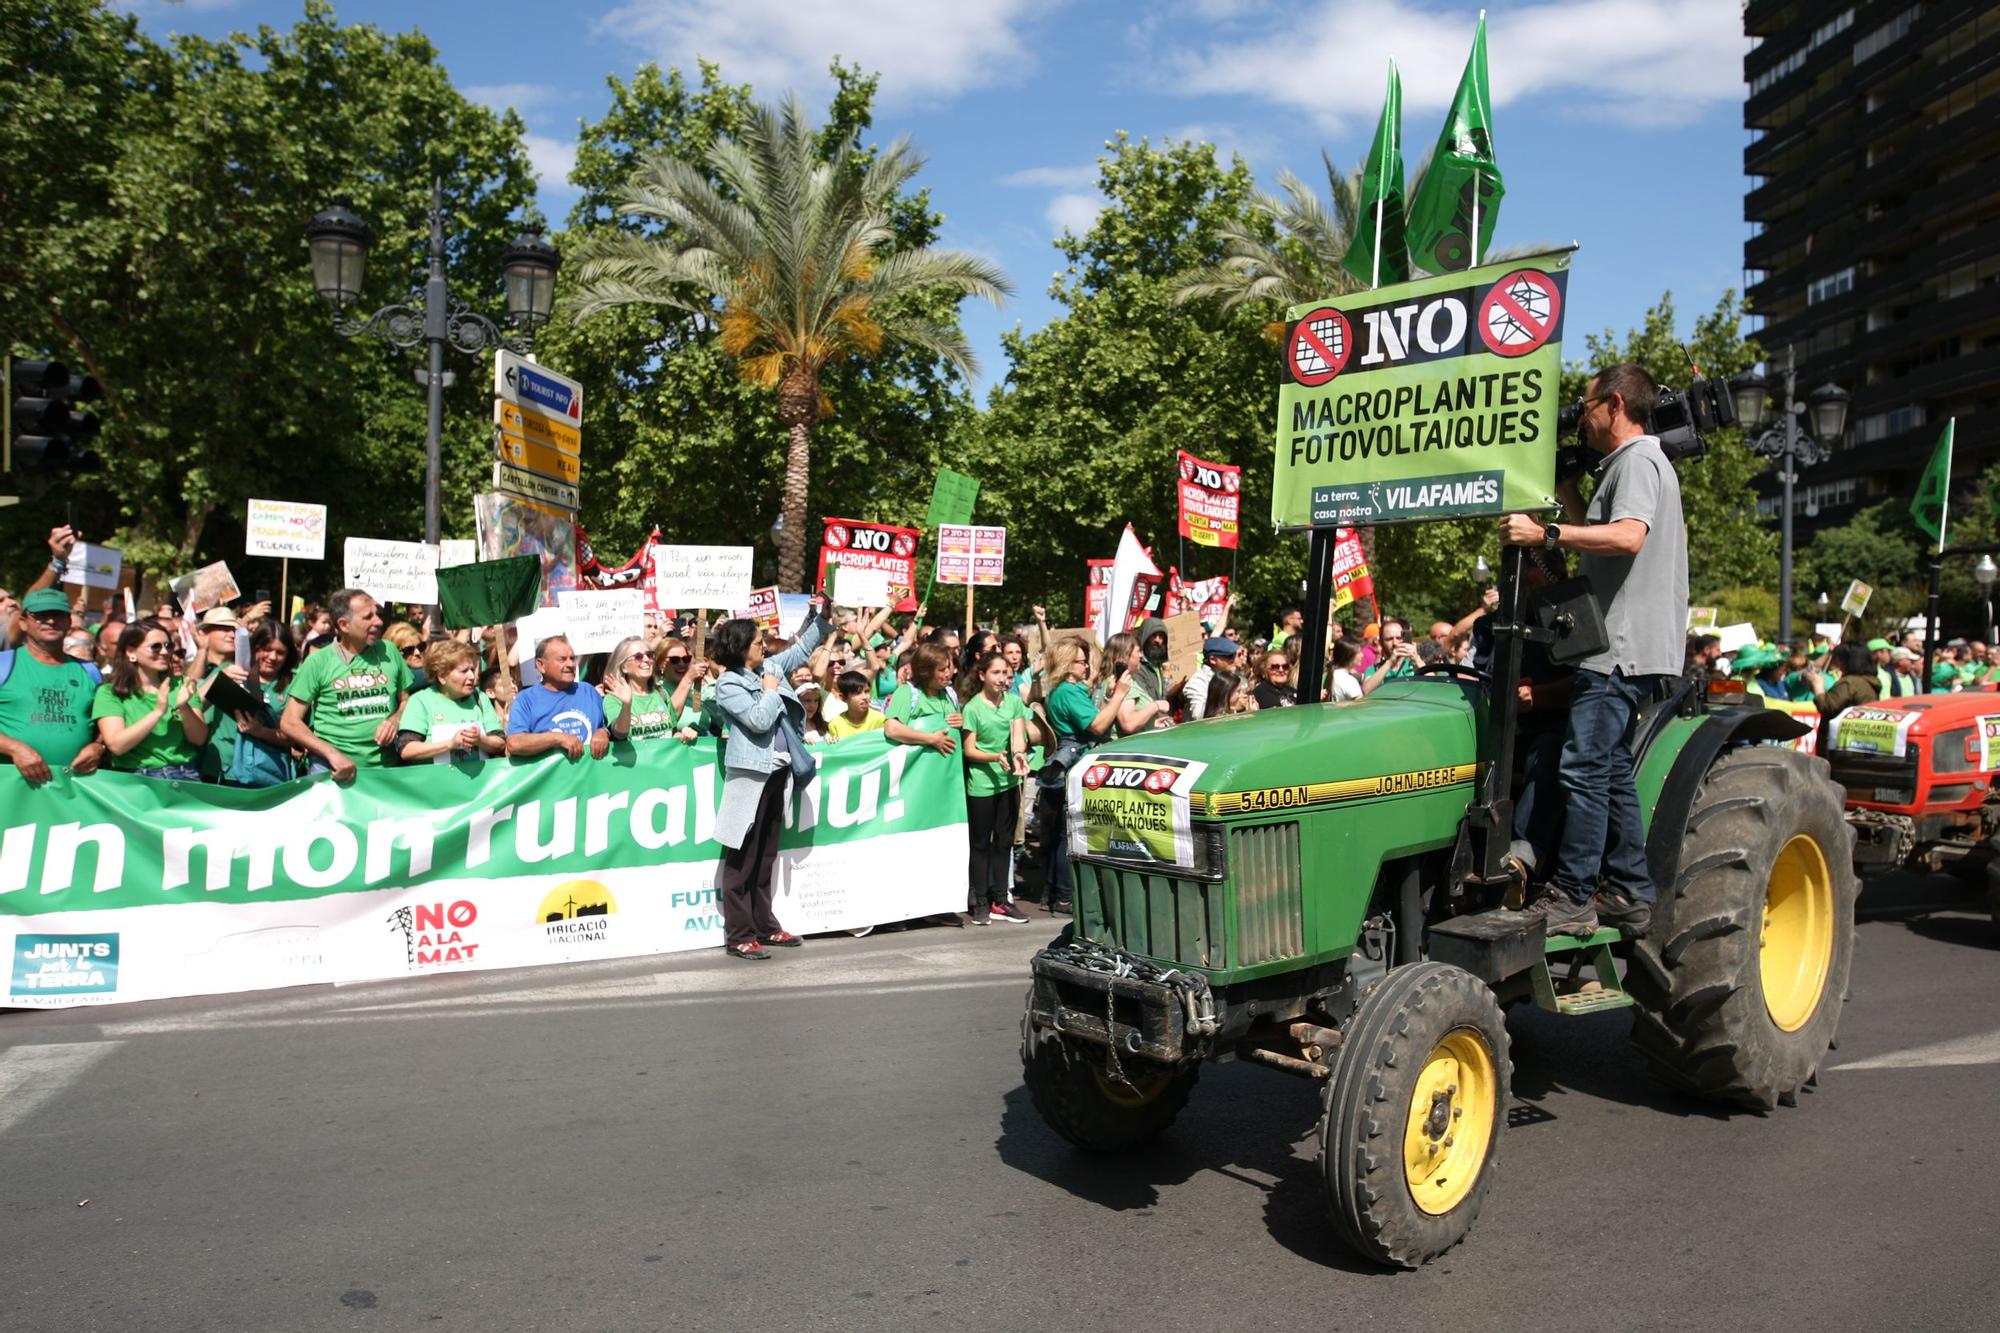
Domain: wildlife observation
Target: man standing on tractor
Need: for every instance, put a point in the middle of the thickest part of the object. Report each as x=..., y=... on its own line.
x=1633, y=548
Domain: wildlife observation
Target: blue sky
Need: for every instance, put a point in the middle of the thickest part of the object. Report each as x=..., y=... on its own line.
x=1618, y=122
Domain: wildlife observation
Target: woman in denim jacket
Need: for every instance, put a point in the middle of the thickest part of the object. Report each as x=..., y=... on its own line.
x=764, y=750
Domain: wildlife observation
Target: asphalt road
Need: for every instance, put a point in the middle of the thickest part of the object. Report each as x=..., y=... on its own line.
x=839, y=1139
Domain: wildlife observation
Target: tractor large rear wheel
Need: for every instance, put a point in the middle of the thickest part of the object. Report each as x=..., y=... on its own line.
x=1741, y=979
x=1414, y=1112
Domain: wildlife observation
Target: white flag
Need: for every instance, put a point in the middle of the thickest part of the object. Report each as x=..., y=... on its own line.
x=1130, y=565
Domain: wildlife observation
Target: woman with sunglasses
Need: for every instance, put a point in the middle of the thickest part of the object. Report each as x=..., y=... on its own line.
x=152, y=721
x=629, y=687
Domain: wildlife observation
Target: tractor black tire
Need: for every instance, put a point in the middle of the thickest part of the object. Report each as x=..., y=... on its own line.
x=1719, y=1014
x=1095, y=1112
x=1416, y=1026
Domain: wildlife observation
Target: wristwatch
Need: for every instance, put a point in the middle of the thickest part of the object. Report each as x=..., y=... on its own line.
x=1552, y=534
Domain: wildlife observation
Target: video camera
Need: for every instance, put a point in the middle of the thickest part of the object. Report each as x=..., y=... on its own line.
x=1680, y=419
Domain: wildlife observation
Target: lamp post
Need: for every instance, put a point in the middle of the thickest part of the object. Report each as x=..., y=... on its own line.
x=1985, y=571
x=1482, y=573
x=1792, y=447
x=339, y=242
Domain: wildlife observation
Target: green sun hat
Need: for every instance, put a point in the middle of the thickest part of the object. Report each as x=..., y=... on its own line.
x=1879, y=645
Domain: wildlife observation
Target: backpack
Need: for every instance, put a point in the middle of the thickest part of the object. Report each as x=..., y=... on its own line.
x=255, y=763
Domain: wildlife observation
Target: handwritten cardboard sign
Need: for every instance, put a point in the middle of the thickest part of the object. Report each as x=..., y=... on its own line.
x=854, y=586
x=392, y=571
x=599, y=620
x=285, y=529
x=94, y=566
x=711, y=577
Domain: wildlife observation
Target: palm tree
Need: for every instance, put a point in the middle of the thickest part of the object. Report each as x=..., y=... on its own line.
x=1287, y=253
x=786, y=243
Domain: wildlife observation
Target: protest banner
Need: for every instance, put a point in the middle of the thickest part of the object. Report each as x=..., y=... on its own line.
x=1429, y=399
x=509, y=525
x=1093, y=589
x=1351, y=578
x=762, y=607
x=858, y=587
x=392, y=571
x=953, y=496
x=1184, y=639
x=94, y=566
x=1206, y=598
x=210, y=586
x=144, y=889
x=850, y=543
x=1866, y=730
x=285, y=530
x=598, y=620
x=1134, y=807
x=1211, y=502
x=714, y=578
x=1988, y=734
x=1856, y=601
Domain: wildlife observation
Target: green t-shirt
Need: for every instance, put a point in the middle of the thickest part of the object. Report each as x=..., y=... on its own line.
x=48, y=707
x=1136, y=694
x=166, y=744
x=911, y=706
x=347, y=698
x=1070, y=710
x=432, y=715
x=991, y=726
x=652, y=715
x=885, y=682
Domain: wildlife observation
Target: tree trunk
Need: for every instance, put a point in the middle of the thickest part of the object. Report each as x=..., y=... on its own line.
x=798, y=408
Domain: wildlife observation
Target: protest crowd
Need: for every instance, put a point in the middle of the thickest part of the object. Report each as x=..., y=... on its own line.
x=241, y=696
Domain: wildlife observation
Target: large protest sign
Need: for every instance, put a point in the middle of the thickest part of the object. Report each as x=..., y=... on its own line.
x=1430, y=399
x=849, y=542
x=953, y=496
x=1856, y=601
x=119, y=888
x=1134, y=807
x=392, y=571
x=762, y=607
x=1211, y=506
x=1207, y=598
x=971, y=554
x=210, y=586
x=285, y=529
x=510, y=526
x=715, y=578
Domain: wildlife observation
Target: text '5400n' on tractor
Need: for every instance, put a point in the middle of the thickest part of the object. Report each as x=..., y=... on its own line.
x=1320, y=890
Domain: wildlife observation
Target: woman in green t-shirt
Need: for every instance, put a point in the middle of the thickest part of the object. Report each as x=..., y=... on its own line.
x=1138, y=711
x=678, y=672
x=450, y=719
x=924, y=699
x=1078, y=720
x=630, y=692
x=996, y=759
x=151, y=721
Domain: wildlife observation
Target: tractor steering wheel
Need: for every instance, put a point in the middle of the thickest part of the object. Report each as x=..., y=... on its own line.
x=1456, y=671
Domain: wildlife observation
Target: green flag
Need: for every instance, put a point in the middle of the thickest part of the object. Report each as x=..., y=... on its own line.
x=1933, y=489
x=1379, y=253
x=1451, y=218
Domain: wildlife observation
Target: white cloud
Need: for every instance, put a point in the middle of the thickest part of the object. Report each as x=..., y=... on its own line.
x=523, y=97
x=1074, y=212
x=553, y=159
x=924, y=50
x=1645, y=62
x=1054, y=178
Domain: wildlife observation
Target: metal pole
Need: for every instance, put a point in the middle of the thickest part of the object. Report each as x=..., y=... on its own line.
x=1310, y=661
x=1930, y=621
x=436, y=307
x=1785, y=523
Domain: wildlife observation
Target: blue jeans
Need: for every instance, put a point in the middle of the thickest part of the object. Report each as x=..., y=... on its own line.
x=1057, y=877
x=1536, y=807
x=1603, y=834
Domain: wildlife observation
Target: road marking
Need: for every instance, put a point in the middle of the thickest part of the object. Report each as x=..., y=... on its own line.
x=33, y=1075
x=477, y=1006
x=1982, y=1049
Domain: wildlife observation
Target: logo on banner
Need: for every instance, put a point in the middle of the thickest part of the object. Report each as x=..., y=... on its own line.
x=73, y=964
x=576, y=912
x=1320, y=347
x=437, y=934
x=1521, y=312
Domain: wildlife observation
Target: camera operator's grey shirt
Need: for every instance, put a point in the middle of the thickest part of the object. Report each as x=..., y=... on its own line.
x=1644, y=596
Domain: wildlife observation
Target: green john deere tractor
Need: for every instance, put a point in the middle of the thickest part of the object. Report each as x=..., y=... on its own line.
x=1321, y=890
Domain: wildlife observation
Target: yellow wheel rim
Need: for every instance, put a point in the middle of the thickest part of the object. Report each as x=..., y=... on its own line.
x=1130, y=1095
x=1797, y=949
x=1451, y=1119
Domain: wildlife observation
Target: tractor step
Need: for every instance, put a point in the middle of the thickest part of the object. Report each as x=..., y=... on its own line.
x=1498, y=945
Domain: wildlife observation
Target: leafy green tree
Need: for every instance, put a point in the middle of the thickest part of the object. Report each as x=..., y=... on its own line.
x=173, y=269
x=788, y=247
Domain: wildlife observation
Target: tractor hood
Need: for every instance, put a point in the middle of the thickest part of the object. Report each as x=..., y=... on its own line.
x=1407, y=736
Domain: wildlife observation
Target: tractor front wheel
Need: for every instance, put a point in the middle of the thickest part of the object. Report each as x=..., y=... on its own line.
x=1095, y=1110
x=1740, y=981
x=1414, y=1112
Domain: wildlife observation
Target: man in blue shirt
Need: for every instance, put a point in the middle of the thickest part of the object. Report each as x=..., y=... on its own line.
x=558, y=714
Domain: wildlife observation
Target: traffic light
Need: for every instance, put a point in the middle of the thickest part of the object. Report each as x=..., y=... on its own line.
x=44, y=435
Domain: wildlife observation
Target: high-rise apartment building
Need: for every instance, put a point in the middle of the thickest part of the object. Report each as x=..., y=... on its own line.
x=1874, y=202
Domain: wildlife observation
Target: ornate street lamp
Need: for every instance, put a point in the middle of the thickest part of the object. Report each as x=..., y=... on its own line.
x=339, y=242
x=1792, y=445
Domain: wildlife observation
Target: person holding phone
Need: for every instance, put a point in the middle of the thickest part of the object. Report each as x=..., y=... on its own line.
x=1138, y=711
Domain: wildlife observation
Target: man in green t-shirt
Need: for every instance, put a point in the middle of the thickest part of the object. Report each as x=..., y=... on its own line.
x=353, y=691
x=45, y=697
